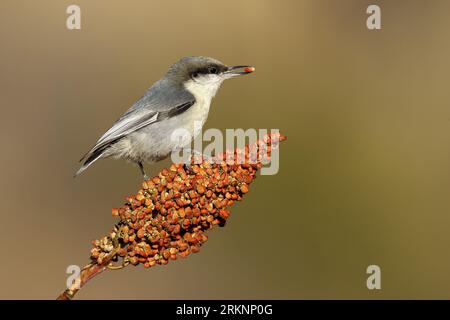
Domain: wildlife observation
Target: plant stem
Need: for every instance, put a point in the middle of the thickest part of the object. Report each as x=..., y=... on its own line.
x=87, y=273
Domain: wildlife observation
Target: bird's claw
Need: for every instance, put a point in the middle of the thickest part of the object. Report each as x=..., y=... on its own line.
x=193, y=153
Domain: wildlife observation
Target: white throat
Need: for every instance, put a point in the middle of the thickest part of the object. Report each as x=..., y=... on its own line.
x=203, y=91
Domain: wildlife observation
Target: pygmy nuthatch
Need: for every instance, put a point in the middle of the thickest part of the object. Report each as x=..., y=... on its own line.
x=177, y=101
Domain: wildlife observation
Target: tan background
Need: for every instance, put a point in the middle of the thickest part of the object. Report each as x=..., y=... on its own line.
x=364, y=176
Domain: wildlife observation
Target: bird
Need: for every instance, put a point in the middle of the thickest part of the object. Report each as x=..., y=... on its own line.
x=180, y=99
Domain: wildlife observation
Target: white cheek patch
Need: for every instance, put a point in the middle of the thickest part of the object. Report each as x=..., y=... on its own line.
x=204, y=87
x=209, y=79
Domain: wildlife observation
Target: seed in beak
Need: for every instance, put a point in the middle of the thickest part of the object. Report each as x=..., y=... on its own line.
x=249, y=69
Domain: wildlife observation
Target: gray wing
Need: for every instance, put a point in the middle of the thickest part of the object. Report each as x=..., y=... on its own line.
x=160, y=102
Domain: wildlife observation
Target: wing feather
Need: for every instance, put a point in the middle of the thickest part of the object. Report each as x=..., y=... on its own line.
x=163, y=100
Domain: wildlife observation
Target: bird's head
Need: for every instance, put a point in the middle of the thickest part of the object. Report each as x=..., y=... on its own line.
x=204, y=75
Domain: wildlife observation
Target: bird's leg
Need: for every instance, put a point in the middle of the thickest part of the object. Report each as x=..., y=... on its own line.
x=141, y=167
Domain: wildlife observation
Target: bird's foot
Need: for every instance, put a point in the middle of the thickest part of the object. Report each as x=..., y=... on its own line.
x=194, y=153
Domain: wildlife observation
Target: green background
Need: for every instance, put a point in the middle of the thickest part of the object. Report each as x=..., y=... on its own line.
x=364, y=176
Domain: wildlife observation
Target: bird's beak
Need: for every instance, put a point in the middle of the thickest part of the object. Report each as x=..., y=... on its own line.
x=238, y=71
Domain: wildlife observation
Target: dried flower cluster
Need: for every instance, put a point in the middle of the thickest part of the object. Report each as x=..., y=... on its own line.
x=168, y=217
x=170, y=214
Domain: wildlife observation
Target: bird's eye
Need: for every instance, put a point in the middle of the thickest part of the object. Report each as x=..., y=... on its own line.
x=194, y=75
x=212, y=70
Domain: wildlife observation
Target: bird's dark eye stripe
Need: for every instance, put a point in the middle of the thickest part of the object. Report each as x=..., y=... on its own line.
x=198, y=72
x=207, y=70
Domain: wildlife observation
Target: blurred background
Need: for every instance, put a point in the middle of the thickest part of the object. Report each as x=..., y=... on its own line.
x=364, y=176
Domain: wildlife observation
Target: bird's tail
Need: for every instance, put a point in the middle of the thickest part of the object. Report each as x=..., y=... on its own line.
x=89, y=159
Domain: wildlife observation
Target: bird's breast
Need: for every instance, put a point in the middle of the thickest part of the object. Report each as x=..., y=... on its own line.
x=196, y=115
